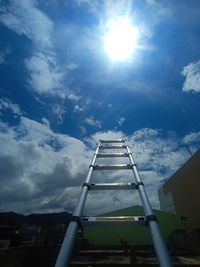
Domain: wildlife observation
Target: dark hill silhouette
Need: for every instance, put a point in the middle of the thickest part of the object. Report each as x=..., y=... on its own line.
x=47, y=219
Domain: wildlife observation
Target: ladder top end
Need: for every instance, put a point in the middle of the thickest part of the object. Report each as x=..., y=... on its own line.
x=112, y=141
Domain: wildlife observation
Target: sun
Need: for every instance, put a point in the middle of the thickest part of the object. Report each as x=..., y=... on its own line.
x=120, y=39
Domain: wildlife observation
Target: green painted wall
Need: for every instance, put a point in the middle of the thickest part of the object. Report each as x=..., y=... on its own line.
x=133, y=235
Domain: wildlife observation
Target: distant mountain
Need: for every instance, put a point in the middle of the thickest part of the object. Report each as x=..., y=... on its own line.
x=47, y=219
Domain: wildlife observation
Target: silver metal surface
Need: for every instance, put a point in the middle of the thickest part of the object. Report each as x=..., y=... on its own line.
x=112, y=141
x=66, y=250
x=113, y=147
x=157, y=238
x=113, y=167
x=113, y=221
x=112, y=155
x=113, y=186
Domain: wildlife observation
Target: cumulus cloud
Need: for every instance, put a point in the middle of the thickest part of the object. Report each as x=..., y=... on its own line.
x=78, y=108
x=121, y=121
x=157, y=156
x=59, y=112
x=24, y=18
x=47, y=167
x=191, y=73
x=192, y=138
x=72, y=96
x=38, y=163
x=92, y=122
x=192, y=141
x=154, y=152
x=45, y=77
x=6, y=104
x=46, y=122
x=109, y=135
x=3, y=54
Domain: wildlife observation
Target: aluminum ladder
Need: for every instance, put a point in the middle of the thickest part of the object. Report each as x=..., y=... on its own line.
x=78, y=220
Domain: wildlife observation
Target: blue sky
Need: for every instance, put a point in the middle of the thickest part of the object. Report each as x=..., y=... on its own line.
x=60, y=92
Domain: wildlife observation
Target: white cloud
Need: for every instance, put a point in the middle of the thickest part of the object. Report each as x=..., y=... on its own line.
x=72, y=96
x=192, y=75
x=24, y=18
x=77, y=108
x=108, y=9
x=153, y=152
x=191, y=138
x=46, y=122
x=4, y=54
x=161, y=10
x=49, y=167
x=38, y=163
x=82, y=129
x=72, y=66
x=104, y=201
x=59, y=111
x=157, y=158
x=117, y=8
x=121, y=121
x=109, y=135
x=94, y=6
x=92, y=122
x=6, y=104
x=45, y=76
x=105, y=10
x=192, y=141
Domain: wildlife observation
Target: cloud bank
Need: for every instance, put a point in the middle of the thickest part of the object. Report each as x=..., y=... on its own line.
x=45, y=77
x=191, y=73
x=24, y=18
x=42, y=171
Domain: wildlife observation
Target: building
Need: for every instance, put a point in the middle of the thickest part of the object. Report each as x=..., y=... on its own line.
x=181, y=193
x=131, y=235
x=7, y=234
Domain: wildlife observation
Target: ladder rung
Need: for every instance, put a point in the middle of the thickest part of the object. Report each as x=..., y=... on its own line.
x=113, y=147
x=113, y=186
x=113, y=221
x=112, y=155
x=112, y=141
x=113, y=167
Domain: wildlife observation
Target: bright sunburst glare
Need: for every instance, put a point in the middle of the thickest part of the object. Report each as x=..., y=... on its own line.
x=120, y=40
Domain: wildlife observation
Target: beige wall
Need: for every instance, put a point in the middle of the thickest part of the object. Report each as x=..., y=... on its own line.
x=184, y=188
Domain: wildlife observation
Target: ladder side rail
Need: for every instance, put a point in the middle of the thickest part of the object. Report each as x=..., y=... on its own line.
x=64, y=256
x=158, y=241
